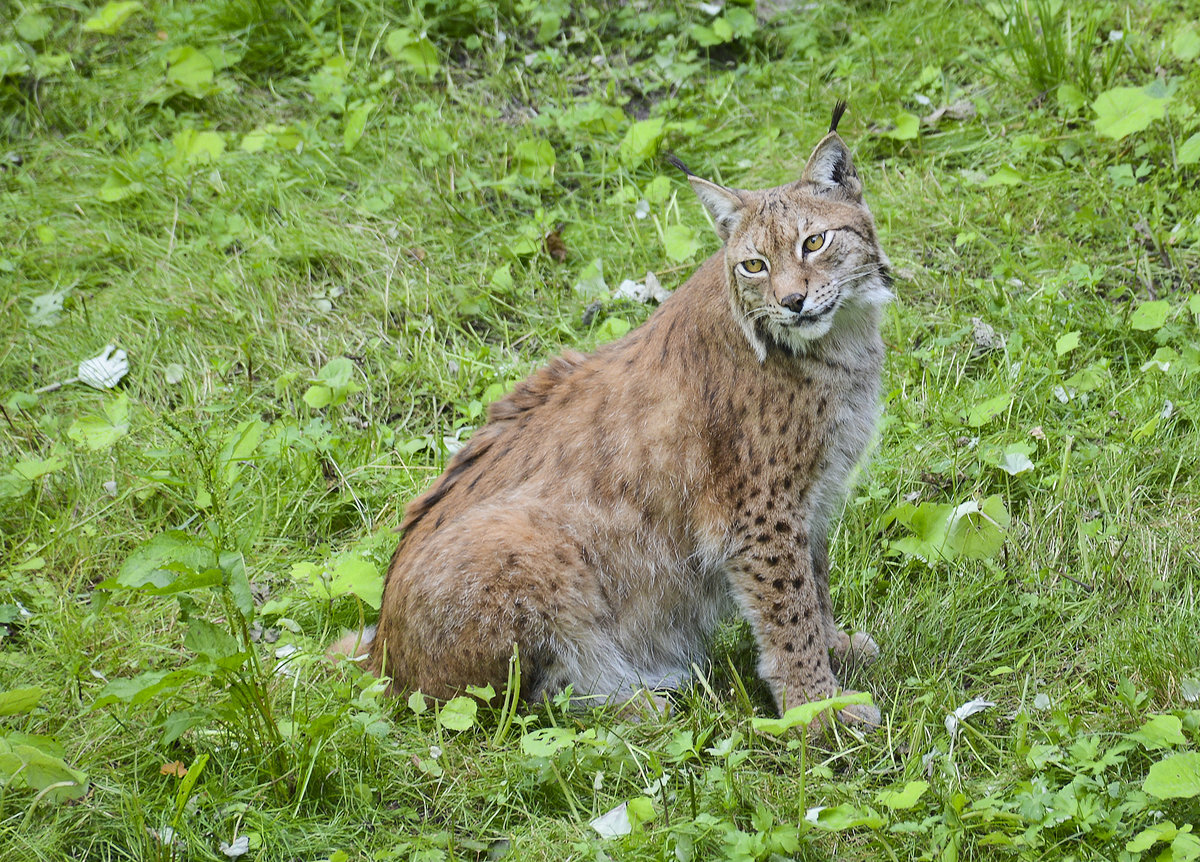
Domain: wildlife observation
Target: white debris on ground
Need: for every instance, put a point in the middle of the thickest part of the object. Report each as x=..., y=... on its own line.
x=968, y=709
x=649, y=289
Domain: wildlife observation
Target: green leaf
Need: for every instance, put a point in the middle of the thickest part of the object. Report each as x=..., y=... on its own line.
x=196, y=148
x=414, y=50
x=547, y=741
x=356, y=124
x=977, y=531
x=1189, y=151
x=458, y=713
x=1151, y=835
x=141, y=688
x=101, y=432
x=117, y=187
x=1123, y=111
x=111, y=17
x=805, y=713
x=45, y=310
x=239, y=448
x=35, y=469
x=1161, y=731
x=980, y=414
x=339, y=375
x=639, y=810
x=534, y=158
x=416, y=702
x=23, y=764
x=19, y=700
x=1070, y=98
x=147, y=564
x=33, y=26
x=905, y=798
x=845, y=816
x=13, y=60
x=207, y=639
x=641, y=141
x=1176, y=777
x=680, y=242
x=1186, y=44
x=1005, y=175
x=1067, y=342
x=612, y=328
x=352, y=575
x=191, y=70
x=1150, y=315
x=905, y=127
x=318, y=396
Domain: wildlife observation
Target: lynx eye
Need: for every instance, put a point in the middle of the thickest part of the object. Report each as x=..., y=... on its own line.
x=754, y=265
x=814, y=242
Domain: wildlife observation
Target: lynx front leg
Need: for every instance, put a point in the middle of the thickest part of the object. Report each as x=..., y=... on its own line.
x=772, y=581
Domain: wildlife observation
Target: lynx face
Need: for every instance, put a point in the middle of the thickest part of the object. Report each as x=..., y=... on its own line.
x=799, y=254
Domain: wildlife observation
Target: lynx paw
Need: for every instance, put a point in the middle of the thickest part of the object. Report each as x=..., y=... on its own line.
x=861, y=716
x=859, y=650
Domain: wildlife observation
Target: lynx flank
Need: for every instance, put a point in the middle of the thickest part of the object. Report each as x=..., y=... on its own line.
x=616, y=506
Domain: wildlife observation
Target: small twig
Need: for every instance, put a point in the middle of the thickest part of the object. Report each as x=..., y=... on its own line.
x=1088, y=587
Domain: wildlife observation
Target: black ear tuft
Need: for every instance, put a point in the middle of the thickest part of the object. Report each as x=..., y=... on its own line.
x=674, y=160
x=838, y=109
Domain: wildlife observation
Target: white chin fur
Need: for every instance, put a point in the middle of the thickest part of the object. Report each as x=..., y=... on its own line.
x=797, y=338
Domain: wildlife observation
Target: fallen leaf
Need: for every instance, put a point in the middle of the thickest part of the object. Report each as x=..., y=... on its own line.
x=553, y=242
x=963, y=109
x=175, y=768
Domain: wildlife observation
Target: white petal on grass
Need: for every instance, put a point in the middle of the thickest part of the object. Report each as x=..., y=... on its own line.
x=642, y=209
x=239, y=847
x=968, y=709
x=613, y=823
x=110, y=488
x=174, y=373
x=1190, y=689
x=813, y=813
x=1042, y=701
x=106, y=370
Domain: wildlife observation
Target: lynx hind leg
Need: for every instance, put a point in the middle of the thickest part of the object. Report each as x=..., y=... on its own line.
x=599, y=676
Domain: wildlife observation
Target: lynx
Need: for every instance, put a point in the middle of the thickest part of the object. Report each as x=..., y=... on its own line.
x=617, y=506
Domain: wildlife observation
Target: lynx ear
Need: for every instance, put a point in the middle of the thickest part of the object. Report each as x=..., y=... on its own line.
x=830, y=171
x=724, y=205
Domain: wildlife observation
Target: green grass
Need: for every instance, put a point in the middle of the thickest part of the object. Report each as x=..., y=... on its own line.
x=219, y=218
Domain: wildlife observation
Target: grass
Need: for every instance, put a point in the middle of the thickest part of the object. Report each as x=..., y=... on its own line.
x=239, y=195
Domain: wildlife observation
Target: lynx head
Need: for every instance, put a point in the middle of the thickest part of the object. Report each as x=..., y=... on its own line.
x=800, y=258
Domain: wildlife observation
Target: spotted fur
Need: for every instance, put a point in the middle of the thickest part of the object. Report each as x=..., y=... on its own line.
x=616, y=506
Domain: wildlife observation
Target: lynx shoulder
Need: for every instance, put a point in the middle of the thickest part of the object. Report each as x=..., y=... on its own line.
x=617, y=505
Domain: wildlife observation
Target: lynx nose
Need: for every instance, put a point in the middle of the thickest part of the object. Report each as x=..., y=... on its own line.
x=793, y=302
